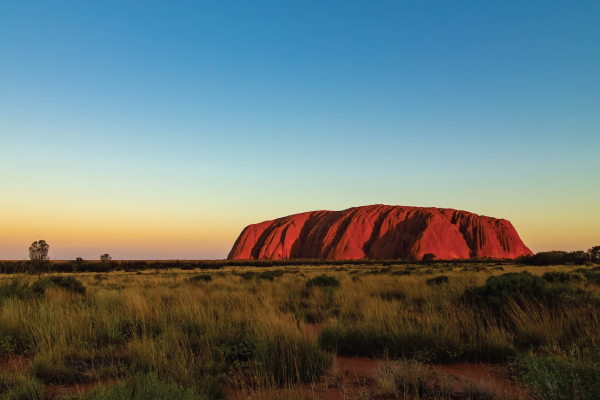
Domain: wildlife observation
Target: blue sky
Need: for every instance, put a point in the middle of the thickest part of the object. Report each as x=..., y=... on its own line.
x=161, y=129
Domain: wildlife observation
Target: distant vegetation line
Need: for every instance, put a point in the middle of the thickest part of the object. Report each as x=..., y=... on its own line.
x=108, y=265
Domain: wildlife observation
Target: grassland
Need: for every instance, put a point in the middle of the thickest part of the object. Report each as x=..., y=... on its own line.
x=281, y=332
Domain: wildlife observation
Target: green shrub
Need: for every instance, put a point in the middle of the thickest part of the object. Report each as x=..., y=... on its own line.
x=248, y=275
x=561, y=277
x=8, y=345
x=392, y=294
x=144, y=387
x=67, y=283
x=16, y=289
x=519, y=286
x=24, y=389
x=591, y=275
x=53, y=371
x=200, y=278
x=438, y=280
x=323, y=281
x=25, y=291
x=511, y=285
x=552, y=378
x=267, y=276
x=270, y=275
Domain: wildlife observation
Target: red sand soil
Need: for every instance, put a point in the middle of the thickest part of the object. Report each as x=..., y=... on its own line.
x=346, y=379
x=351, y=375
x=492, y=377
x=380, y=232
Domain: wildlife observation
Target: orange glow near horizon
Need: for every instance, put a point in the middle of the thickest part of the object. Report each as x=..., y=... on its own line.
x=151, y=234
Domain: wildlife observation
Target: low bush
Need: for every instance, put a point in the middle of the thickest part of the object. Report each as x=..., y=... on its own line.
x=22, y=389
x=68, y=283
x=561, y=277
x=53, y=371
x=144, y=387
x=200, y=278
x=438, y=280
x=525, y=286
x=392, y=294
x=267, y=275
x=591, y=275
x=511, y=285
x=8, y=345
x=411, y=342
x=15, y=288
x=270, y=275
x=553, y=378
x=323, y=281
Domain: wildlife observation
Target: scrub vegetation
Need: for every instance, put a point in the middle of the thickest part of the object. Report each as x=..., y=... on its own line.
x=277, y=331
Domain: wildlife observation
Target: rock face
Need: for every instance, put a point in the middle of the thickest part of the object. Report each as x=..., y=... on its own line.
x=380, y=232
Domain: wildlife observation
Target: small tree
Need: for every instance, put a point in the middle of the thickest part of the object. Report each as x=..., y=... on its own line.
x=594, y=254
x=78, y=264
x=105, y=258
x=38, y=254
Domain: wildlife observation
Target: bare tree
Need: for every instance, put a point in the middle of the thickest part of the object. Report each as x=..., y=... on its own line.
x=38, y=254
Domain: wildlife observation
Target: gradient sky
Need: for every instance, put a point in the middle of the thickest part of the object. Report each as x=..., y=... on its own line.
x=159, y=130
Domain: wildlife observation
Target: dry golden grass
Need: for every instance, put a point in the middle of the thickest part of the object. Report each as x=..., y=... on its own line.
x=258, y=333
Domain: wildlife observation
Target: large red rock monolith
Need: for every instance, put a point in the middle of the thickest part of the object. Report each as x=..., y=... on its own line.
x=380, y=232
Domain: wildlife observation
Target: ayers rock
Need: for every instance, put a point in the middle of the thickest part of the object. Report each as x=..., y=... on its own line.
x=380, y=232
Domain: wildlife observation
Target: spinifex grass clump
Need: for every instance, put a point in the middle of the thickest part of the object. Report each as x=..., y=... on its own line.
x=591, y=275
x=24, y=290
x=323, y=281
x=20, y=388
x=68, y=283
x=523, y=287
x=438, y=280
x=561, y=277
x=144, y=387
x=266, y=275
x=200, y=278
x=285, y=356
x=560, y=378
x=409, y=379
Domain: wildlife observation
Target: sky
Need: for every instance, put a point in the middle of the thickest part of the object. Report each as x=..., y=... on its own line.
x=160, y=129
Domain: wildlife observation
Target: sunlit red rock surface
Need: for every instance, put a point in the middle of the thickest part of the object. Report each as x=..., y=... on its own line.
x=380, y=232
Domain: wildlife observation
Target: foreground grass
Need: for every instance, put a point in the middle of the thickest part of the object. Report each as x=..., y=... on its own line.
x=194, y=336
